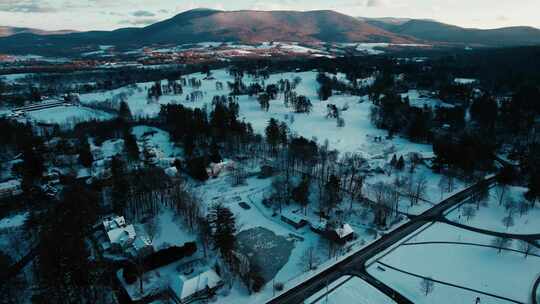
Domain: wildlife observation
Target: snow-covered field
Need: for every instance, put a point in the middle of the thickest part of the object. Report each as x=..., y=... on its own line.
x=475, y=267
x=349, y=289
x=356, y=136
x=13, y=221
x=171, y=231
x=494, y=216
x=67, y=115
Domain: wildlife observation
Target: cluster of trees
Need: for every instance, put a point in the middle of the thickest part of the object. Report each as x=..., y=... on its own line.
x=464, y=151
x=64, y=272
x=393, y=113
x=134, y=270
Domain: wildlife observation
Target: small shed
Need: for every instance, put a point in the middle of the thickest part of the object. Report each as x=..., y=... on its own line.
x=295, y=220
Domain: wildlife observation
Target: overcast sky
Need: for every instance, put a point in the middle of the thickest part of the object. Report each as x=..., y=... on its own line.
x=111, y=14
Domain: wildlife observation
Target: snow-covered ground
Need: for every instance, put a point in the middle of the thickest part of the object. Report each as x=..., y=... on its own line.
x=67, y=115
x=409, y=287
x=475, y=267
x=13, y=221
x=349, y=289
x=158, y=139
x=494, y=216
x=420, y=100
x=171, y=231
x=465, y=80
x=356, y=136
x=14, y=78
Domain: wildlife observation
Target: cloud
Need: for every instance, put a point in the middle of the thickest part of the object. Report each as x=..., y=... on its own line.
x=502, y=18
x=139, y=22
x=374, y=3
x=26, y=6
x=142, y=13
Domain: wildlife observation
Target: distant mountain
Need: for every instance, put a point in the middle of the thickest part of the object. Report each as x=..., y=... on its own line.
x=433, y=31
x=204, y=25
x=6, y=31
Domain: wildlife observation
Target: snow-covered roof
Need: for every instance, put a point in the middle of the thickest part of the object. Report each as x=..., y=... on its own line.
x=114, y=222
x=344, y=231
x=122, y=236
x=184, y=287
x=293, y=217
x=320, y=225
x=171, y=171
x=141, y=242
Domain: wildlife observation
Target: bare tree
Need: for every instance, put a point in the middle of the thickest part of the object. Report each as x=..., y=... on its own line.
x=523, y=207
x=446, y=184
x=416, y=188
x=527, y=248
x=500, y=192
x=427, y=285
x=469, y=212
x=151, y=228
x=310, y=260
x=508, y=221
x=501, y=243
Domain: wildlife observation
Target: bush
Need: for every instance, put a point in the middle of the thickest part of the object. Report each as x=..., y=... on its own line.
x=196, y=168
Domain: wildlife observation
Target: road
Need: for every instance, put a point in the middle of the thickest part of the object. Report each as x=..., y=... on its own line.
x=355, y=263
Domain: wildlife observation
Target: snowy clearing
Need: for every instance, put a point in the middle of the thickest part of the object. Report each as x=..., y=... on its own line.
x=494, y=216
x=349, y=289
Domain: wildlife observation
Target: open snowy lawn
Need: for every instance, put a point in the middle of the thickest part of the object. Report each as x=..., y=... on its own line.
x=409, y=287
x=159, y=139
x=67, y=115
x=491, y=216
x=171, y=231
x=356, y=136
x=440, y=232
x=475, y=267
x=349, y=289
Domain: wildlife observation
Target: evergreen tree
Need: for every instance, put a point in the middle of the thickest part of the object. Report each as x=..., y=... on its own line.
x=215, y=156
x=120, y=185
x=223, y=225
x=130, y=145
x=196, y=168
x=124, y=113
x=273, y=133
x=393, y=162
x=85, y=154
x=332, y=195
x=300, y=194
x=400, y=165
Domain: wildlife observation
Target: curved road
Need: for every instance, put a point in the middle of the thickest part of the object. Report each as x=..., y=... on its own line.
x=355, y=263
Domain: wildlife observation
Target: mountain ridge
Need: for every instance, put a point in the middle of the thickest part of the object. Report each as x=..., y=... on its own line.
x=251, y=26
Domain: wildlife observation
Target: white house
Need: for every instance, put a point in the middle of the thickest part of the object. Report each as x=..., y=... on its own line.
x=186, y=289
x=119, y=235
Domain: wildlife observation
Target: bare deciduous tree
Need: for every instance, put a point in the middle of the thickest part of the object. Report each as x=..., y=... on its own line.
x=427, y=285
x=501, y=243
x=310, y=259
